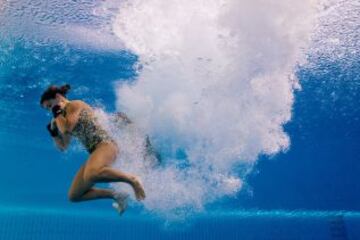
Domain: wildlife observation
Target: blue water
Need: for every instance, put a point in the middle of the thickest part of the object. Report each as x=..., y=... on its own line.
x=311, y=191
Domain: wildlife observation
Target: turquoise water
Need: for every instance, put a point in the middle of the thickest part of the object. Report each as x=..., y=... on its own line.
x=248, y=154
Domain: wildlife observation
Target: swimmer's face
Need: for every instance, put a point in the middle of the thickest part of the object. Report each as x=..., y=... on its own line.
x=49, y=104
x=58, y=100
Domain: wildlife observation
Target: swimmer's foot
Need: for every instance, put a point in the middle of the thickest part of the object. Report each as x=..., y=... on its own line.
x=138, y=189
x=120, y=203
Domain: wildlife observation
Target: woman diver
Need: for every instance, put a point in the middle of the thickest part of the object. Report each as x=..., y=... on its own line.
x=76, y=118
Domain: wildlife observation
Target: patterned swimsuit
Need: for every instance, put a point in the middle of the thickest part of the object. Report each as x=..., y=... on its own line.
x=88, y=131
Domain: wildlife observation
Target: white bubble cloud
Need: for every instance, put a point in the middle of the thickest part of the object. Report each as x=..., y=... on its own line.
x=214, y=88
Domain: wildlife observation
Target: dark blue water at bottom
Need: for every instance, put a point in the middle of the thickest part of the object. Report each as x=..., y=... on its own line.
x=46, y=223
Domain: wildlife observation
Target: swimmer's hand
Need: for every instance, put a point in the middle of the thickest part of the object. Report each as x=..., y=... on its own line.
x=53, y=130
x=56, y=110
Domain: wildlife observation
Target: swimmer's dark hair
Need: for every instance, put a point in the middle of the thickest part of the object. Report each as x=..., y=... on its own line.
x=50, y=92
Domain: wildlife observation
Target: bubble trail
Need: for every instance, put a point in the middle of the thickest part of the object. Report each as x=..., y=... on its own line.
x=214, y=88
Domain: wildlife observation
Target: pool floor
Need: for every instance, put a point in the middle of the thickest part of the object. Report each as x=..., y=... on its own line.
x=42, y=223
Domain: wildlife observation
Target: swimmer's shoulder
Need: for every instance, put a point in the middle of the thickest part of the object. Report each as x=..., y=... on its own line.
x=76, y=105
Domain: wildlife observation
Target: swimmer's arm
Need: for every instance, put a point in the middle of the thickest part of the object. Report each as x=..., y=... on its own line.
x=66, y=124
x=59, y=142
x=62, y=124
x=62, y=141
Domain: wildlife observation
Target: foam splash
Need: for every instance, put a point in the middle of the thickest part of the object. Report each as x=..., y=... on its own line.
x=214, y=88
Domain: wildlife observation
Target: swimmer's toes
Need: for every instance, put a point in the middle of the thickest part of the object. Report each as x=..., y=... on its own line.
x=140, y=194
x=138, y=189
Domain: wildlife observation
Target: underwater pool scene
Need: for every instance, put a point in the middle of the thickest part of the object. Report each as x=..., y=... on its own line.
x=254, y=107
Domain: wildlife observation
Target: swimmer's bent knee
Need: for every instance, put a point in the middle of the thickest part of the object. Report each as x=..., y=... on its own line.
x=94, y=174
x=73, y=197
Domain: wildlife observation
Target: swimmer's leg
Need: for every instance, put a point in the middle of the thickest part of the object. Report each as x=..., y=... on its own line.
x=82, y=190
x=109, y=174
x=95, y=193
x=99, y=169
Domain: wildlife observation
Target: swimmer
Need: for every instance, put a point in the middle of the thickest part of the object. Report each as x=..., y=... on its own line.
x=75, y=118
